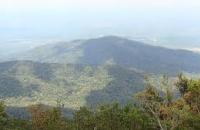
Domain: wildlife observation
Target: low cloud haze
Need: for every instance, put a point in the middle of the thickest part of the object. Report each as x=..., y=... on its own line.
x=155, y=20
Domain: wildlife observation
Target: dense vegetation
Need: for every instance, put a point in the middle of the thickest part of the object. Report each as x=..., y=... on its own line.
x=23, y=83
x=154, y=110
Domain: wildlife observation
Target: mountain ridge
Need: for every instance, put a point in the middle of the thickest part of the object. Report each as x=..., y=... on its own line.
x=121, y=51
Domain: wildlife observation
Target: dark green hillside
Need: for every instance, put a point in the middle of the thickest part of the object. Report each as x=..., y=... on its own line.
x=144, y=57
x=120, y=89
x=25, y=83
x=121, y=51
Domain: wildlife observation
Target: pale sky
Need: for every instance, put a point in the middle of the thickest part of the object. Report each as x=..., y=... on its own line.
x=85, y=18
x=63, y=4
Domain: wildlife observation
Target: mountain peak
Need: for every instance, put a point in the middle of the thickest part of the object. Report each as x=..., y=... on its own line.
x=111, y=38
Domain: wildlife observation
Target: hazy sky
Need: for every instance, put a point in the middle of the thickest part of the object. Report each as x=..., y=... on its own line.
x=87, y=18
x=74, y=4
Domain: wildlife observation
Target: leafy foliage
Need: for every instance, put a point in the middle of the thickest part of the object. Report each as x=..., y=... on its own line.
x=178, y=114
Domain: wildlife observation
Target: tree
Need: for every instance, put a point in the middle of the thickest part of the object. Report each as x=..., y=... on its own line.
x=151, y=102
x=47, y=118
x=182, y=84
x=84, y=119
x=3, y=116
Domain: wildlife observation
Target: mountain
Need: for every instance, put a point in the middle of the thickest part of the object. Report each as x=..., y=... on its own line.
x=88, y=72
x=119, y=51
x=25, y=83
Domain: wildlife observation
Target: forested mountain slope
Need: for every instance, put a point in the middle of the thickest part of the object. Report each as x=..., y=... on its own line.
x=25, y=83
x=120, y=51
